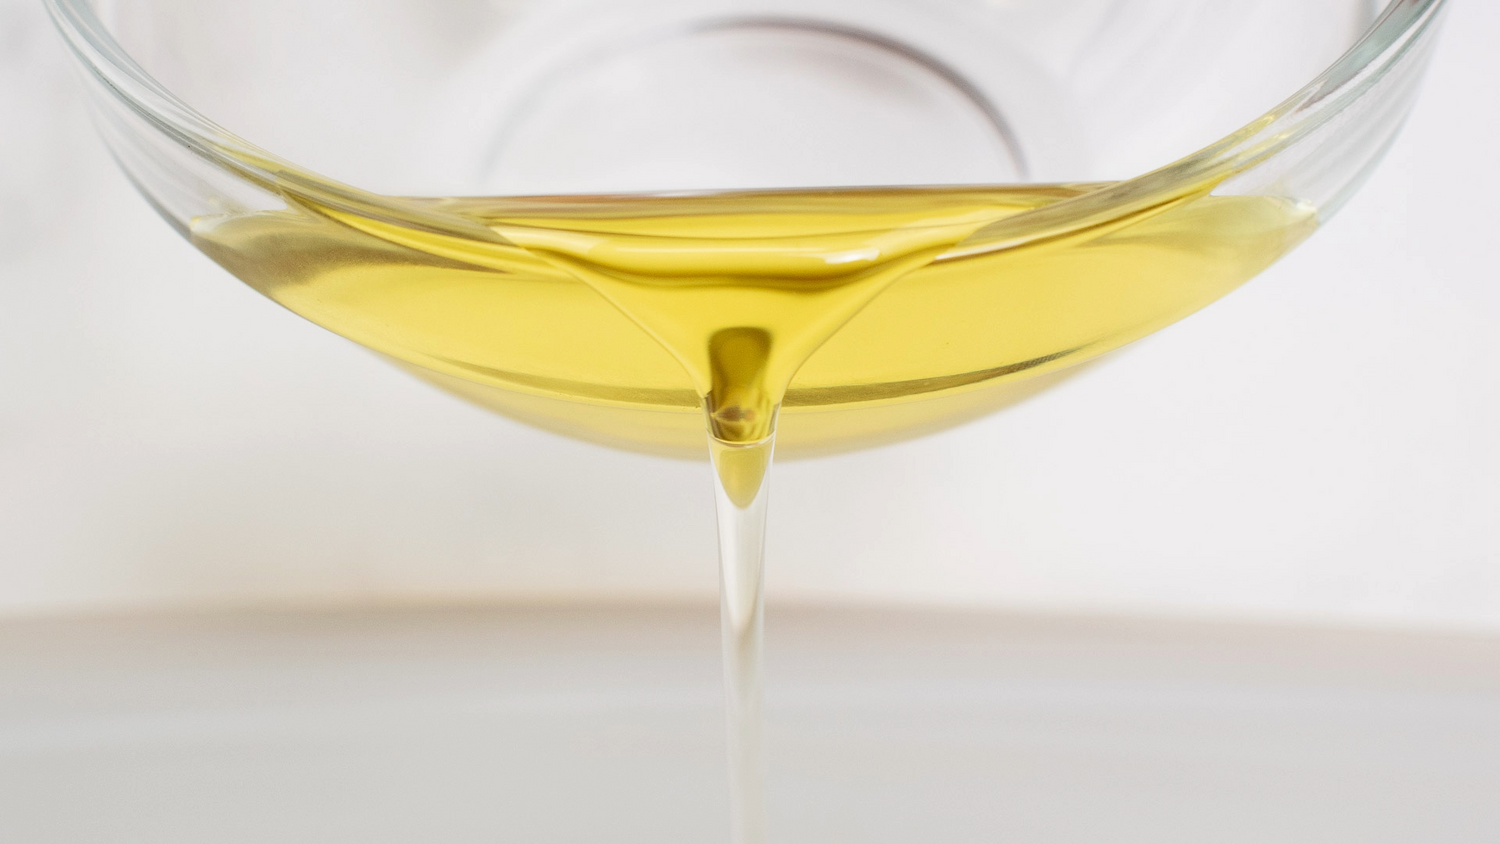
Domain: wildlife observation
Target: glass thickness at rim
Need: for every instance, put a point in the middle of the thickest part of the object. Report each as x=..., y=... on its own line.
x=1395, y=45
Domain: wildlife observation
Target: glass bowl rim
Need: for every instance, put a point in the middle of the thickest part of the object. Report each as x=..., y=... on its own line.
x=1396, y=30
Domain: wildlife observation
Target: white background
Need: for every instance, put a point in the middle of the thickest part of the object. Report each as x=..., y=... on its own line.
x=1320, y=445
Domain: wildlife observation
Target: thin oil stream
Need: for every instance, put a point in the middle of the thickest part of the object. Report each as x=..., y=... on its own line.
x=742, y=533
x=741, y=290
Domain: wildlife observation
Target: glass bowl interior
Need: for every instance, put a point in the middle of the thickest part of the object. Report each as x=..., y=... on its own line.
x=480, y=97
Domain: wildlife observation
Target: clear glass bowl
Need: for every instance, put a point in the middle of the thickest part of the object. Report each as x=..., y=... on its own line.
x=1146, y=103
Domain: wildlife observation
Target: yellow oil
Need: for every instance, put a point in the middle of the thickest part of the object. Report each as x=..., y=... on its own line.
x=865, y=314
x=841, y=318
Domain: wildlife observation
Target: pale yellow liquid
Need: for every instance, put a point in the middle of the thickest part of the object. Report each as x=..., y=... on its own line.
x=853, y=315
x=867, y=314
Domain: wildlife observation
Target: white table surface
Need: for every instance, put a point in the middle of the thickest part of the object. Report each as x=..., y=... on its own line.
x=600, y=724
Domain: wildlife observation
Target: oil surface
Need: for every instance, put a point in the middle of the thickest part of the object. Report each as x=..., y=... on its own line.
x=860, y=312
